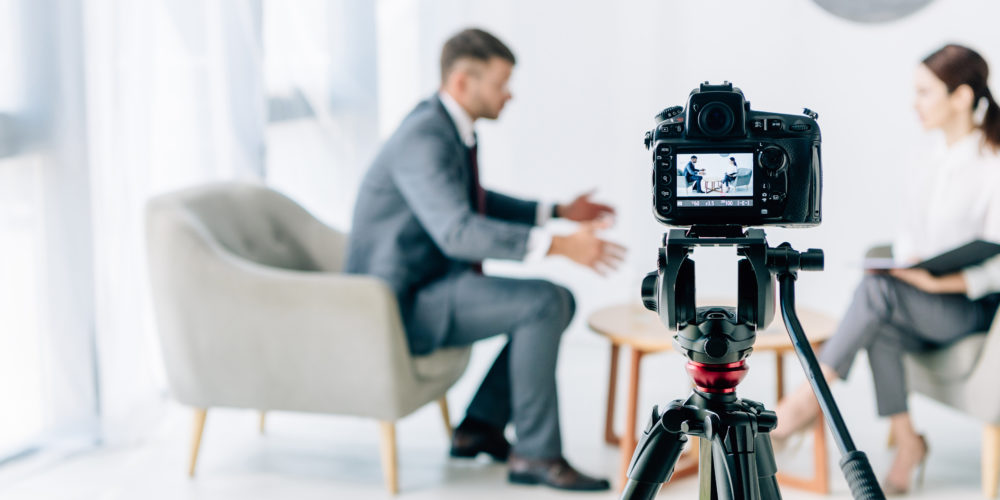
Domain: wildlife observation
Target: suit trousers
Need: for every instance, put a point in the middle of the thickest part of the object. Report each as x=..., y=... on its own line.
x=888, y=318
x=520, y=387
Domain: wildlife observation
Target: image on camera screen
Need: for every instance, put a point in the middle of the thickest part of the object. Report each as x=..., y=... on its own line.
x=714, y=175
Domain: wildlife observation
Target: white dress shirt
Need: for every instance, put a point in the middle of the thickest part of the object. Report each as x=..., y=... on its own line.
x=955, y=200
x=539, y=240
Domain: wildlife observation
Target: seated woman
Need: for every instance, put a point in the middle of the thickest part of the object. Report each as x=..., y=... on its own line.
x=730, y=173
x=909, y=309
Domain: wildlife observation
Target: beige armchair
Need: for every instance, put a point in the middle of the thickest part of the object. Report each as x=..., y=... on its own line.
x=254, y=312
x=965, y=376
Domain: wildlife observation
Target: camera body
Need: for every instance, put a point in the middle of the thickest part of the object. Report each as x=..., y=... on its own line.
x=756, y=168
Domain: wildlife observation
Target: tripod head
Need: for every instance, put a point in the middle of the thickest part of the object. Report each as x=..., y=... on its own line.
x=717, y=340
x=717, y=335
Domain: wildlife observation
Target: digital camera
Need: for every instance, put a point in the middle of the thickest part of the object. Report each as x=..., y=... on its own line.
x=717, y=162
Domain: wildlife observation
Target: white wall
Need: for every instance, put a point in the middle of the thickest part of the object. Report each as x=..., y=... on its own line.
x=590, y=77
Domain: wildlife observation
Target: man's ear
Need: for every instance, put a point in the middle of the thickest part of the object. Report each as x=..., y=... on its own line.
x=458, y=81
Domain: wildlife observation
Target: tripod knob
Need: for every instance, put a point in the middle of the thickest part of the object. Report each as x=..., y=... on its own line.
x=716, y=346
x=649, y=290
x=812, y=260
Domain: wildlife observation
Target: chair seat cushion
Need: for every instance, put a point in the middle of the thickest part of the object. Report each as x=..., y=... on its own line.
x=447, y=362
x=952, y=363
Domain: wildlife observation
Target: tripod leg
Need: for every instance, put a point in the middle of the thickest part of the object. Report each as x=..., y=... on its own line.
x=654, y=459
x=766, y=467
x=706, y=479
x=744, y=466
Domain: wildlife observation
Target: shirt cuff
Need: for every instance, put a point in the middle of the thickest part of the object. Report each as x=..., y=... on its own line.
x=544, y=212
x=539, y=242
x=982, y=280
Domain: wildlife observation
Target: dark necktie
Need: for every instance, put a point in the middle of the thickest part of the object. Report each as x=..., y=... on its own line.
x=478, y=194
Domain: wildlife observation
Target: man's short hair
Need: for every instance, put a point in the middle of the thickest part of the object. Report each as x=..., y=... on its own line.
x=694, y=157
x=475, y=44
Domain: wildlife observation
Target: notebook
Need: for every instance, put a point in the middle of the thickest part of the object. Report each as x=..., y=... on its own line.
x=969, y=254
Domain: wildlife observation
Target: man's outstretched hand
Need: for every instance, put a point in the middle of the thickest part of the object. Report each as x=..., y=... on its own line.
x=586, y=249
x=583, y=210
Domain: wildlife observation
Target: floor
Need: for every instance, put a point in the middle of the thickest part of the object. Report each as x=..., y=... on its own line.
x=323, y=457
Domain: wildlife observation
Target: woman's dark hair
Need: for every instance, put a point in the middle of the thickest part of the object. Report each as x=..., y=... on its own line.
x=956, y=65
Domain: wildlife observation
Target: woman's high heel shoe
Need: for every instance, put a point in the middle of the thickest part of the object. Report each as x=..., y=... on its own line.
x=894, y=489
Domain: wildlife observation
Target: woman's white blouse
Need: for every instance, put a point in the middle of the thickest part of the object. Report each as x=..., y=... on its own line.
x=955, y=200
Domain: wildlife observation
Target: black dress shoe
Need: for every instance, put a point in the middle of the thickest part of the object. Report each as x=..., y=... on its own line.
x=473, y=437
x=557, y=473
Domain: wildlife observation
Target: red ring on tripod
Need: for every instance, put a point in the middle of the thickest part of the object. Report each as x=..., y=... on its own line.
x=719, y=379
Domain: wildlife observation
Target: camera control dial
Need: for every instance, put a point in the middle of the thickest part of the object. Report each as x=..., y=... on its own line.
x=773, y=158
x=669, y=113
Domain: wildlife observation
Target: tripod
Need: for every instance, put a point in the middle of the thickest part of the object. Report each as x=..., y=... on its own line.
x=736, y=460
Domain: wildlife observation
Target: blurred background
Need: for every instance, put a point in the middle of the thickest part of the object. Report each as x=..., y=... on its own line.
x=105, y=103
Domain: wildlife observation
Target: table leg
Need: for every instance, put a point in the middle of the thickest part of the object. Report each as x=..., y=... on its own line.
x=609, y=417
x=821, y=470
x=628, y=439
x=779, y=375
x=820, y=480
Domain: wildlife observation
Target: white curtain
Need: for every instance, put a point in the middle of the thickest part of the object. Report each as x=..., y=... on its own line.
x=47, y=379
x=106, y=103
x=174, y=90
x=320, y=76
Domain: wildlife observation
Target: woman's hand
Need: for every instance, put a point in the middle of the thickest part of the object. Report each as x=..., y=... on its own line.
x=927, y=282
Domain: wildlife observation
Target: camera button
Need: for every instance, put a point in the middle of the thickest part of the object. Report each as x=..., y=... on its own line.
x=757, y=125
x=800, y=127
x=774, y=125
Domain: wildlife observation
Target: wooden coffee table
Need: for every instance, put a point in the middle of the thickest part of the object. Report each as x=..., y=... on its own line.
x=639, y=329
x=710, y=185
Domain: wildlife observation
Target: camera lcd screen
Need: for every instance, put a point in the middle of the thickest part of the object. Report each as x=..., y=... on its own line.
x=714, y=179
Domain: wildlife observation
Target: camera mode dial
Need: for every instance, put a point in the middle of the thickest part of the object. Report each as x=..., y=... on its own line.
x=669, y=113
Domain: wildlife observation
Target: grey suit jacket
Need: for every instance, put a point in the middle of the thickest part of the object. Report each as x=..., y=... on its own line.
x=415, y=225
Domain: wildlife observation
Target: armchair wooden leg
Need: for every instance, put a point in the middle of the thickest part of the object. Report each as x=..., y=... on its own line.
x=389, y=459
x=443, y=404
x=991, y=460
x=199, y=426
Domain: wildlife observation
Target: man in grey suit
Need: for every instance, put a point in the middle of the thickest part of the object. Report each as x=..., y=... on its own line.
x=424, y=224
